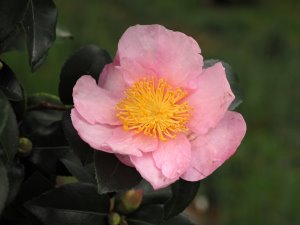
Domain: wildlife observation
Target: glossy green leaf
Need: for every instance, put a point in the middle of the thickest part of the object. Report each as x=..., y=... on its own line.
x=74, y=204
x=15, y=174
x=112, y=175
x=32, y=187
x=20, y=107
x=84, y=152
x=9, y=137
x=4, y=187
x=75, y=167
x=232, y=79
x=183, y=192
x=157, y=197
x=153, y=215
x=9, y=84
x=4, y=110
x=39, y=24
x=88, y=60
x=42, y=121
x=47, y=159
x=11, y=13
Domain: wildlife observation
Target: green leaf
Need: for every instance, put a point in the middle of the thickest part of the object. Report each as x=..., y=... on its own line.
x=74, y=204
x=15, y=174
x=39, y=24
x=112, y=175
x=147, y=215
x=47, y=159
x=75, y=167
x=3, y=186
x=9, y=137
x=9, y=84
x=232, y=79
x=32, y=187
x=42, y=121
x=153, y=215
x=84, y=152
x=20, y=107
x=4, y=110
x=11, y=13
x=183, y=192
x=157, y=197
x=88, y=60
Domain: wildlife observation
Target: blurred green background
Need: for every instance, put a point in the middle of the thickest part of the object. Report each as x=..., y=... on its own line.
x=261, y=40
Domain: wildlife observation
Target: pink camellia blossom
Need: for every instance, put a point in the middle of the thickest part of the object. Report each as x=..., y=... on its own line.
x=157, y=109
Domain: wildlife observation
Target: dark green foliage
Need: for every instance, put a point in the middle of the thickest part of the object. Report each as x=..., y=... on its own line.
x=33, y=21
x=11, y=14
x=42, y=121
x=84, y=152
x=39, y=25
x=9, y=132
x=88, y=60
x=183, y=192
x=154, y=215
x=4, y=186
x=9, y=83
x=112, y=175
x=75, y=167
x=15, y=174
x=74, y=204
x=4, y=110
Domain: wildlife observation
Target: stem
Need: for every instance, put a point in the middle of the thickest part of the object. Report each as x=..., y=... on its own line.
x=49, y=106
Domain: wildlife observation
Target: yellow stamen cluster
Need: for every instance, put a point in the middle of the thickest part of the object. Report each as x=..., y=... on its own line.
x=155, y=109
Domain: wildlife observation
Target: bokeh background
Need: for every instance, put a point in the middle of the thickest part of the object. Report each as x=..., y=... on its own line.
x=261, y=40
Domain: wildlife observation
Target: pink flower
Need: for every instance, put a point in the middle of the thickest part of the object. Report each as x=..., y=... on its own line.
x=157, y=109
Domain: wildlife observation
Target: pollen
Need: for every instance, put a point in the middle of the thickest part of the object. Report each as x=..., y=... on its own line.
x=154, y=108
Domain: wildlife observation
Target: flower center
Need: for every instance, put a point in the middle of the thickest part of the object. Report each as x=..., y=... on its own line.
x=155, y=109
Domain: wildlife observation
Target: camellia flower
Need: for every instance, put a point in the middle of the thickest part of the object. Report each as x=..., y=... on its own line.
x=157, y=109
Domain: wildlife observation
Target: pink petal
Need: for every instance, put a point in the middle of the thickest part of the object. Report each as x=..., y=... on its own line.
x=112, y=79
x=172, y=55
x=211, y=150
x=120, y=142
x=211, y=99
x=145, y=165
x=125, y=159
x=95, y=135
x=173, y=156
x=94, y=104
x=126, y=142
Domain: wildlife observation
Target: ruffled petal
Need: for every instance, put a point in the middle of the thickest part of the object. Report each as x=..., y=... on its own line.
x=211, y=99
x=145, y=165
x=120, y=142
x=125, y=159
x=173, y=156
x=95, y=135
x=126, y=142
x=170, y=55
x=94, y=104
x=112, y=79
x=211, y=150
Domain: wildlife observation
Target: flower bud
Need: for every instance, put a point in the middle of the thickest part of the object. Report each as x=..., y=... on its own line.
x=25, y=146
x=129, y=201
x=114, y=218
